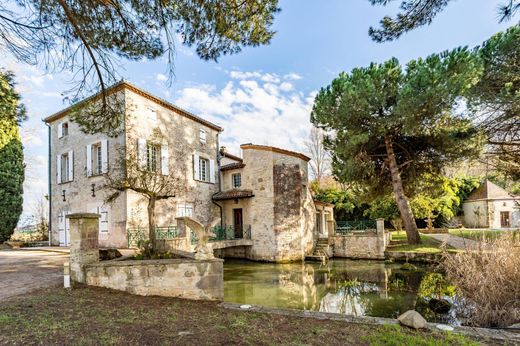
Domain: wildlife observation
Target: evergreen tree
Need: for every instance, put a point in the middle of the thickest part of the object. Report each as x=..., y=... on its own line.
x=416, y=13
x=12, y=112
x=389, y=126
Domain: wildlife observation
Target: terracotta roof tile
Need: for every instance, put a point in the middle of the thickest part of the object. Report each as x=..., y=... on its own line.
x=233, y=194
x=231, y=166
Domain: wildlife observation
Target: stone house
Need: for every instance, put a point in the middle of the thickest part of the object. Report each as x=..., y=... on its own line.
x=263, y=195
x=490, y=206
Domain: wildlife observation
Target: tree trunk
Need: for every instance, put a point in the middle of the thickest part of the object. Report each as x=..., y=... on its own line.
x=400, y=198
x=151, y=224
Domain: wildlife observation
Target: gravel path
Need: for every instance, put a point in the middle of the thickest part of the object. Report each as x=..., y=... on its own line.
x=22, y=271
x=456, y=241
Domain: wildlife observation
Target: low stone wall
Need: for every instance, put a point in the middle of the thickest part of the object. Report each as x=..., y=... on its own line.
x=184, y=278
x=368, y=245
x=431, y=258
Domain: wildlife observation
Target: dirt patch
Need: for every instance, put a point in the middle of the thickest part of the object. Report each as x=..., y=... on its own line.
x=99, y=316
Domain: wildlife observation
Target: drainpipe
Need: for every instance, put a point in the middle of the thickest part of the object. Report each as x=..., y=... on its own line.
x=49, y=182
x=219, y=183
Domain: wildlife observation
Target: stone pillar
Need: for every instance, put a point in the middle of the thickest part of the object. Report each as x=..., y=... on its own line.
x=380, y=226
x=84, y=230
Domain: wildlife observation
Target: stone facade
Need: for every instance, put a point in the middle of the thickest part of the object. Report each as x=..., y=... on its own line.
x=147, y=118
x=281, y=213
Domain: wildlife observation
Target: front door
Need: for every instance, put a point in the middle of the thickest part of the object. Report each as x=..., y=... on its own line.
x=238, y=223
x=505, y=220
x=64, y=228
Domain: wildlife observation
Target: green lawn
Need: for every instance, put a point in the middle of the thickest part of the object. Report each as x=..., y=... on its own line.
x=95, y=316
x=428, y=244
x=477, y=234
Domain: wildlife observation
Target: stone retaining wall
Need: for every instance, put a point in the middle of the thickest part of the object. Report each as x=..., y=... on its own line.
x=362, y=245
x=184, y=278
x=431, y=258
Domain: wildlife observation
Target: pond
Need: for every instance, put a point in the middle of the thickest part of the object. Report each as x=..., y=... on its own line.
x=353, y=287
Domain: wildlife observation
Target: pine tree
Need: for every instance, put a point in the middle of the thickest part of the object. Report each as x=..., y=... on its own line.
x=389, y=127
x=11, y=156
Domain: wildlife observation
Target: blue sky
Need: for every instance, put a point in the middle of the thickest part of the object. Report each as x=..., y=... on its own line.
x=264, y=94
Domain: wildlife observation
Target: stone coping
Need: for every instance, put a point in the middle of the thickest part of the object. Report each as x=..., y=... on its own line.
x=497, y=335
x=364, y=234
x=141, y=263
x=83, y=216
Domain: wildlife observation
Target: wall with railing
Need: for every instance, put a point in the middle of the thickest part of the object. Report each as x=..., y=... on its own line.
x=364, y=239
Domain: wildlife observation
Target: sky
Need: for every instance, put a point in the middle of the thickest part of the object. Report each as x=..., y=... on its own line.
x=261, y=95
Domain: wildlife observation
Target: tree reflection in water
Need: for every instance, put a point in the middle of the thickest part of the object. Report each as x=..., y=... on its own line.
x=358, y=288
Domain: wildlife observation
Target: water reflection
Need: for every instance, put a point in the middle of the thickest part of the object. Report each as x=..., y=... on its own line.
x=358, y=288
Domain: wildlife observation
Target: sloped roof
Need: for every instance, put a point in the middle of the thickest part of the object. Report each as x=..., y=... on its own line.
x=232, y=194
x=488, y=190
x=231, y=166
x=129, y=86
x=276, y=150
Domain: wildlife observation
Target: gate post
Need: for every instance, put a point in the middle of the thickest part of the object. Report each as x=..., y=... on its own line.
x=84, y=231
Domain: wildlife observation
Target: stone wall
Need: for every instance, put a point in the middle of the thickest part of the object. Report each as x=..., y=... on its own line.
x=183, y=278
x=362, y=245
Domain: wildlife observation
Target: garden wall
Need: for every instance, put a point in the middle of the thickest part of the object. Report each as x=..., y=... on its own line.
x=362, y=245
x=184, y=278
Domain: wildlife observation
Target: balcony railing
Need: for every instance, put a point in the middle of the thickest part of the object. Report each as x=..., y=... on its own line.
x=357, y=226
x=135, y=235
x=227, y=232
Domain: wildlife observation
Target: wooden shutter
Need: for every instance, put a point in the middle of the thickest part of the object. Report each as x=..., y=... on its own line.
x=141, y=153
x=58, y=169
x=60, y=130
x=104, y=156
x=165, y=169
x=71, y=165
x=89, y=160
x=196, y=167
x=212, y=171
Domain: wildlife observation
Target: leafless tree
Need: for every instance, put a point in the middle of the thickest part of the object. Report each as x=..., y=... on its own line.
x=320, y=158
x=147, y=176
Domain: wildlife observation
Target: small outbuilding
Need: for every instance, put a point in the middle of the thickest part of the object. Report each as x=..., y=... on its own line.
x=490, y=206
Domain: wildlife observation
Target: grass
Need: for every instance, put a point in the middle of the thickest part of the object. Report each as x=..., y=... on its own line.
x=92, y=316
x=428, y=244
x=477, y=234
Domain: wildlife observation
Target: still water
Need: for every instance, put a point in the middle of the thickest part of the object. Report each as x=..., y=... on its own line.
x=361, y=288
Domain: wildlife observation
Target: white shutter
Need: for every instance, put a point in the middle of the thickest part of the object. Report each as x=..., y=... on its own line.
x=60, y=130
x=71, y=165
x=141, y=153
x=165, y=169
x=104, y=156
x=196, y=167
x=58, y=169
x=212, y=171
x=89, y=160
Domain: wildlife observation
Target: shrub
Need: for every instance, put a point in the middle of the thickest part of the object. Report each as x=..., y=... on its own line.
x=488, y=277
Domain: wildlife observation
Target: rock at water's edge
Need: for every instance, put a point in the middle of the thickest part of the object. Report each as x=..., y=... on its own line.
x=412, y=319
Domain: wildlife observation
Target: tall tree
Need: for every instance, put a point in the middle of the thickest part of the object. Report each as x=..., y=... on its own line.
x=320, y=160
x=389, y=126
x=12, y=112
x=416, y=13
x=495, y=99
x=87, y=37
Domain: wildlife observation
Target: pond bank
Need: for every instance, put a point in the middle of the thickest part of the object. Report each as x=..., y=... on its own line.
x=482, y=334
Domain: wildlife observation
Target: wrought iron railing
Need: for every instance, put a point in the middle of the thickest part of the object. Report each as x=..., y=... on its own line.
x=357, y=226
x=135, y=235
x=227, y=232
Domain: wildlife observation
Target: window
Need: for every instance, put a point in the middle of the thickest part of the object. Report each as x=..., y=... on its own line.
x=184, y=210
x=202, y=135
x=153, y=157
x=96, y=159
x=203, y=169
x=236, y=180
x=63, y=129
x=65, y=168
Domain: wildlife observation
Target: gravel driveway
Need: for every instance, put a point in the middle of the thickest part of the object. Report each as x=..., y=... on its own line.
x=22, y=271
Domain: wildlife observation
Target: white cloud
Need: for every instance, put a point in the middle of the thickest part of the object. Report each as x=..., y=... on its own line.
x=161, y=77
x=253, y=107
x=292, y=76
